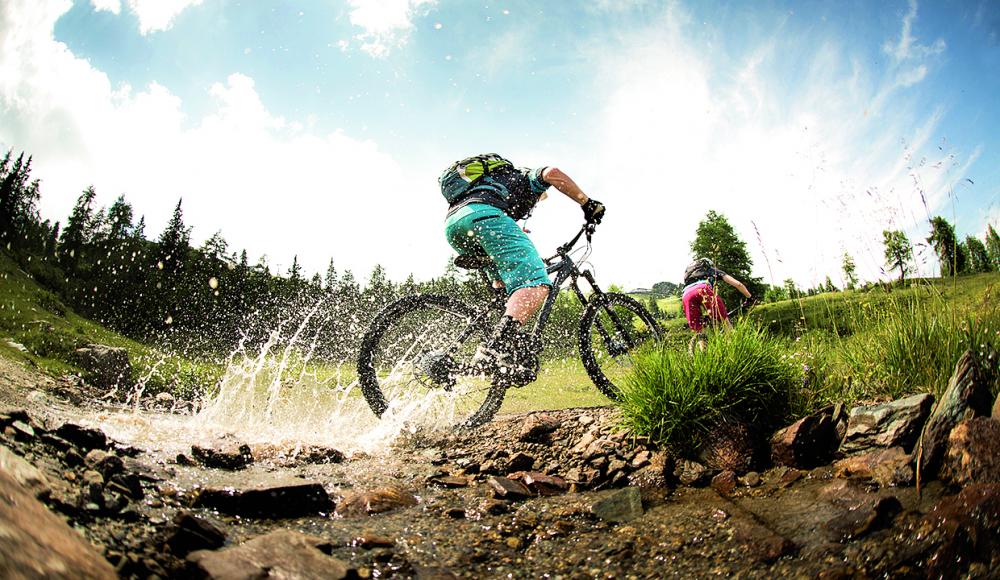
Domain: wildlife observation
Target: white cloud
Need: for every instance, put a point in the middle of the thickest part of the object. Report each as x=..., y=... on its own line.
x=907, y=47
x=386, y=23
x=269, y=185
x=157, y=15
x=112, y=6
x=803, y=172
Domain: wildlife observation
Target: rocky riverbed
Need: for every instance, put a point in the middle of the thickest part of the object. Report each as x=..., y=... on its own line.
x=549, y=494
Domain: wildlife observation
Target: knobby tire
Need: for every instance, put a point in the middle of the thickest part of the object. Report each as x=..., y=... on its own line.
x=618, y=327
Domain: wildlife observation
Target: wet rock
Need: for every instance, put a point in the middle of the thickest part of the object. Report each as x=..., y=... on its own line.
x=506, y=488
x=279, y=554
x=10, y=415
x=280, y=501
x=520, y=462
x=83, y=437
x=725, y=482
x=56, y=442
x=537, y=427
x=20, y=431
x=623, y=505
x=104, y=462
x=751, y=479
x=369, y=540
x=758, y=541
x=973, y=454
x=376, y=501
x=545, y=485
x=227, y=453
x=887, y=467
x=23, y=472
x=959, y=530
x=322, y=455
x=691, y=472
x=106, y=366
x=657, y=473
x=641, y=459
x=807, y=443
x=897, y=423
x=35, y=543
x=967, y=396
x=873, y=513
x=189, y=532
x=451, y=481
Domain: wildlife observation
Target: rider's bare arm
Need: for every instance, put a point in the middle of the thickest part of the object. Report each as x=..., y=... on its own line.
x=736, y=284
x=556, y=178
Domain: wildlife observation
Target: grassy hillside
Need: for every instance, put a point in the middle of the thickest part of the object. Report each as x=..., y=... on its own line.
x=37, y=328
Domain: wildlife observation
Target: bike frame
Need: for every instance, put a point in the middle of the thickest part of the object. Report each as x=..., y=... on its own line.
x=564, y=268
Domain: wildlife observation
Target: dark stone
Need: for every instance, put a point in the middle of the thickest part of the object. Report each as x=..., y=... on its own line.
x=543, y=484
x=505, y=488
x=279, y=554
x=520, y=462
x=537, y=427
x=104, y=462
x=807, y=443
x=967, y=396
x=55, y=442
x=283, y=501
x=22, y=431
x=370, y=540
x=450, y=481
x=8, y=416
x=623, y=505
x=870, y=515
x=322, y=455
x=189, y=532
x=973, y=454
x=376, y=501
x=725, y=482
x=691, y=472
x=129, y=484
x=106, y=366
x=229, y=454
x=759, y=542
x=83, y=437
x=897, y=423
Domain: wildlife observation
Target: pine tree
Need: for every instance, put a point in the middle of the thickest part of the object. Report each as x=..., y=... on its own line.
x=331, y=277
x=295, y=271
x=18, y=201
x=79, y=228
x=898, y=252
x=175, y=241
x=120, y=220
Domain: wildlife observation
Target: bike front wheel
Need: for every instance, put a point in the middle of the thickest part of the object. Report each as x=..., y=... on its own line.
x=613, y=328
x=414, y=364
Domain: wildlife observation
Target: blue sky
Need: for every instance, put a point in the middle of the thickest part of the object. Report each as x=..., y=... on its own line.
x=318, y=128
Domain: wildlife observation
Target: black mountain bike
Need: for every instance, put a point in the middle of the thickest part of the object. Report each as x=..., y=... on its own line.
x=416, y=356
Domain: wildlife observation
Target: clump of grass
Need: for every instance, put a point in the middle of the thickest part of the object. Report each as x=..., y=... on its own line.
x=677, y=399
x=914, y=346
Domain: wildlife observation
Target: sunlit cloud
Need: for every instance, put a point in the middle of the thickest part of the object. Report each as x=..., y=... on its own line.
x=784, y=166
x=112, y=6
x=239, y=168
x=386, y=23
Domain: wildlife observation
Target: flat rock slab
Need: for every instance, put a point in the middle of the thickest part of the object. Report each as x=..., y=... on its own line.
x=280, y=554
x=83, y=437
x=623, y=505
x=230, y=455
x=189, y=533
x=34, y=543
x=376, y=501
x=897, y=423
x=282, y=501
x=887, y=467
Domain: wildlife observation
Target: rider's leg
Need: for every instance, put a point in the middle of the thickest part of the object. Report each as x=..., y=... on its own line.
x=524, y=302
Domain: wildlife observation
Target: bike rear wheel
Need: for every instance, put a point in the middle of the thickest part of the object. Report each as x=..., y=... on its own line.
x=612, y=328
x=414, y=360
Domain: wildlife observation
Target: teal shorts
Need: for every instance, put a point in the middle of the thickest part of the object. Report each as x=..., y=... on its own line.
x=479, y=227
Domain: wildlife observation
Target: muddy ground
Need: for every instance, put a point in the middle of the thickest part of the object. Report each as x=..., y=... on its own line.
x=562, y=494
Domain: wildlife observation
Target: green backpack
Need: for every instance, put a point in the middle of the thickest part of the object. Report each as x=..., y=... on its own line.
x=463, y=177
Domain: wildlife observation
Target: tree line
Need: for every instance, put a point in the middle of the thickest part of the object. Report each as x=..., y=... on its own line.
x=163, y=289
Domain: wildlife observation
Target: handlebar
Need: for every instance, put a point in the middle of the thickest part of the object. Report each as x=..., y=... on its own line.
x=588, y=228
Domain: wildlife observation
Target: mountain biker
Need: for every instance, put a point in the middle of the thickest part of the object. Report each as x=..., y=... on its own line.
x=701, y=302
x=486, y=194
